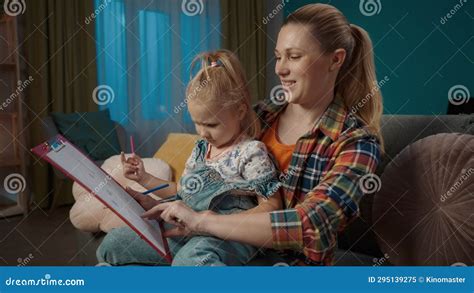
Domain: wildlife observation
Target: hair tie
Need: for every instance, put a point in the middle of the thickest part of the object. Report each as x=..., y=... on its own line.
x=214, y=64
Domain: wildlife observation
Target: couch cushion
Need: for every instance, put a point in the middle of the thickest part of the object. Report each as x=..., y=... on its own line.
x=399, y=131
x=422, y=212
x=176, y=150
x=92, y=132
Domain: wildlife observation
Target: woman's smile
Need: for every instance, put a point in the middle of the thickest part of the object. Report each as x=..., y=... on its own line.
x=288, y=83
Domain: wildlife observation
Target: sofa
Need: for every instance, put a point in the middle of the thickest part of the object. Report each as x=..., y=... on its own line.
x=360, y=243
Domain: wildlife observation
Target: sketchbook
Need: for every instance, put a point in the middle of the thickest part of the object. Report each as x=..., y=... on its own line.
x=64, y=156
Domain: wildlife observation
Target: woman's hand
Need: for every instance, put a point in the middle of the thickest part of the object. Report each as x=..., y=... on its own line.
x=133, y=168
x=147, y=202
x=186, y=220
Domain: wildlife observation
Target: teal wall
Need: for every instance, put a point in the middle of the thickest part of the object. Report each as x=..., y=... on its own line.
x=422, y=57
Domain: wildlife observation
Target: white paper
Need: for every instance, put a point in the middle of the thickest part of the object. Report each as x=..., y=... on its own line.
x=103, y=186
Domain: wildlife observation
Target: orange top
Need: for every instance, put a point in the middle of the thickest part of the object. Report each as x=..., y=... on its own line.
x=281, y=152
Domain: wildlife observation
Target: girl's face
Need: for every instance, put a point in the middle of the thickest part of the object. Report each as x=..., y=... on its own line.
x=219, y=126
x=305, y=72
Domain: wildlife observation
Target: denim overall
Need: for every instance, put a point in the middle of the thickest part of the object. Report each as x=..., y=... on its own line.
x=202, y=188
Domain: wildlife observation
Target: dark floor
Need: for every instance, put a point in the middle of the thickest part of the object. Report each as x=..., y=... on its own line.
x=48, y=238
x=45, y=238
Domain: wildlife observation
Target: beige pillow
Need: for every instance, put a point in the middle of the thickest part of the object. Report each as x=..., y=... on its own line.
x=89, y=214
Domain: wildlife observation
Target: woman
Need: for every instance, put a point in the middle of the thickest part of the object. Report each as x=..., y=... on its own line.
x=325, y=139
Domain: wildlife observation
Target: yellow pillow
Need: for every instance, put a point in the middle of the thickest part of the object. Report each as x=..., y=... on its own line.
x=176, y=150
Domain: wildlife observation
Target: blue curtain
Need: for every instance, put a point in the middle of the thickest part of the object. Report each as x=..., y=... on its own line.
x=112, y=57
x=155, y=66
x=144, y=49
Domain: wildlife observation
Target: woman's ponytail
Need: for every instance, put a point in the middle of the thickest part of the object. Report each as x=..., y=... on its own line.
x=357, y=82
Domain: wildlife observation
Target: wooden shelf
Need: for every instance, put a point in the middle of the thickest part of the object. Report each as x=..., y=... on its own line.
x=11, y=66
x=8, y=146
x=11, y=211
x=8, y=115
x=5, y=18
x=10, y=163
x=12, y=137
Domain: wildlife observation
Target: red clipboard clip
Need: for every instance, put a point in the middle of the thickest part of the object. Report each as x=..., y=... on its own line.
x=56, y=144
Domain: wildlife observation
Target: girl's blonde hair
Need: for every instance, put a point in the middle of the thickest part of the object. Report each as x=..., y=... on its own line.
x=221, y=81
x=356, y=82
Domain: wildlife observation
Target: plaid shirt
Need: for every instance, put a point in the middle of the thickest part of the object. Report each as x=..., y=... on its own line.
x=321, y=187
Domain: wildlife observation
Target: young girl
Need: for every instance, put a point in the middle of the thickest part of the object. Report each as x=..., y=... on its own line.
x=228, y=171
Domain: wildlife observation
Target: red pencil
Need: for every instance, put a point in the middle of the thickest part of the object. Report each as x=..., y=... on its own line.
x=132, y=144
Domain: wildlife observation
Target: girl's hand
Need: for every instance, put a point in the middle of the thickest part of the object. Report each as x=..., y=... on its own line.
x=187, y=221
x=133, y=168
x=147, y=202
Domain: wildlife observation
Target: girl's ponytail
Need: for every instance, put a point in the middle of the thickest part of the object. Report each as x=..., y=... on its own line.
x=221, y=80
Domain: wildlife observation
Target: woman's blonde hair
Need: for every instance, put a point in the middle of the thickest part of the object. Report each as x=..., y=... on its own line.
x=356, y=82
x=221, y=81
